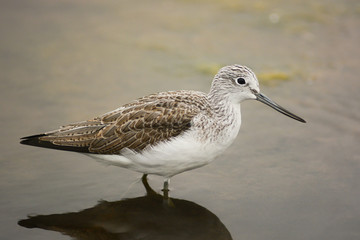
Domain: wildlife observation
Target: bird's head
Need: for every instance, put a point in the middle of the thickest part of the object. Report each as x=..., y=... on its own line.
x=237, y=83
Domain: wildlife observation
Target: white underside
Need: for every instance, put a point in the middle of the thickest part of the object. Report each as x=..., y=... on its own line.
x=166, y=159
x=185, y=152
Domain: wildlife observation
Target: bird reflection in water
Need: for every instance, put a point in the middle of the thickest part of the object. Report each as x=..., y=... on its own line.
x=147, y=217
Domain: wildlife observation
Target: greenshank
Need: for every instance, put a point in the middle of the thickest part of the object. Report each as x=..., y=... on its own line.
x=165, y=133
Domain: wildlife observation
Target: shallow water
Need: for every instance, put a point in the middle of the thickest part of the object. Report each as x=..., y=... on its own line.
x=65, y=61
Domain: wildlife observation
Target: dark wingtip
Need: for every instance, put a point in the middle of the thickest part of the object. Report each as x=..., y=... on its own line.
x=34, y=140
x=27, y=223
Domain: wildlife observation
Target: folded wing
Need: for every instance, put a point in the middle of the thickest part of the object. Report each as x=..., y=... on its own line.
x=136, y=126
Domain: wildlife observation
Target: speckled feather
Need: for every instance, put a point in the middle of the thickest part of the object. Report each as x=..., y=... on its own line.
x=136, y=126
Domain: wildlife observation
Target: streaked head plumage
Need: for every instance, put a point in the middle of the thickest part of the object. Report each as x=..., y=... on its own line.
x=236, y=83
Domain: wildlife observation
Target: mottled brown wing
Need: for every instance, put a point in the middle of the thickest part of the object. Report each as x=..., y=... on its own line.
x=72, y=137
x=137, y=125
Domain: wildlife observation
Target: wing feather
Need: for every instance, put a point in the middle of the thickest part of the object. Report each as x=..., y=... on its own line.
x=136, y=126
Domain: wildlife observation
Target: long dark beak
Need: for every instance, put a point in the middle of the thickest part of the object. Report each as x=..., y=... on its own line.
x=264, y=99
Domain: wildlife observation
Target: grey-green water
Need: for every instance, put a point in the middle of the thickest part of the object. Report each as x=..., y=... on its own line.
x=67, y=61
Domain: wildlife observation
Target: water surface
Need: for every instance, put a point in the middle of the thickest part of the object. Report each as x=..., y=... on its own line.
x=66, y=61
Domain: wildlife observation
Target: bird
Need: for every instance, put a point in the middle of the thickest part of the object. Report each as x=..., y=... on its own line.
x=165, y=133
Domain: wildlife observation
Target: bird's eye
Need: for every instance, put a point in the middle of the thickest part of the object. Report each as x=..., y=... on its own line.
x=240, y=81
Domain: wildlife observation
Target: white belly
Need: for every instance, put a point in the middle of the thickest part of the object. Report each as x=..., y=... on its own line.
x=165, y=159
x=185, y=152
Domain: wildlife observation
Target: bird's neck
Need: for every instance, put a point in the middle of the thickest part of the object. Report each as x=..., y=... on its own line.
x=224, y=108
x=221, y=101
x=226, y=120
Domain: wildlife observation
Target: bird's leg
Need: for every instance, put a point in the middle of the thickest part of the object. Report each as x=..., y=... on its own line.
x=149, y=190
x=167, y=202
x=166, y=188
